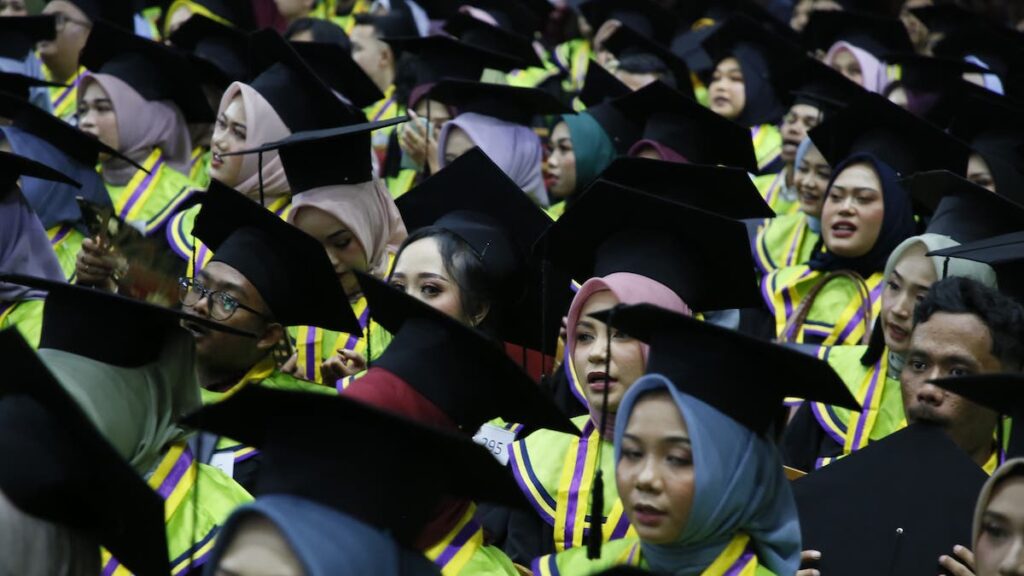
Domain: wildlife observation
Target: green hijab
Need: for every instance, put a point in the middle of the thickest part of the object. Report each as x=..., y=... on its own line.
x=591, y=145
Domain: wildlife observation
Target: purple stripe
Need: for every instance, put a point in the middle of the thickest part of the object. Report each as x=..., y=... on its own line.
x=311, y=353
x=246, y=456
x=859, y=431
x=172, y=479
x=620, y=529
x=767, y=295
x=457, y=543
x=110, y=566
x=574, y=486
x=572, y=379
x=791, y=257
x=817, y=409
x=61, y=234
x=353, y=339
x=387, y=105
x=67, y=91
x=738, y=566
x=141, y=189
x=787, y=301
x=859, y=316
x=513, y=462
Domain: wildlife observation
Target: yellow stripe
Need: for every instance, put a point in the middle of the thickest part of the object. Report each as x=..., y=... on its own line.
x=873, y=409
x=536, y=492
x=135, y=182
x=180, y=490
x=458, y=562
x=569, y=473
x=851, y=310
x=184, y=564
x=729, y=556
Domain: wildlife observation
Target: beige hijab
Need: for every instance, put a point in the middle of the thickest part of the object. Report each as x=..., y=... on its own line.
x=368, y=210
x=33, y=547
x=1009, y=469
x=262, y=126
x=957, y=267
x=142, y=125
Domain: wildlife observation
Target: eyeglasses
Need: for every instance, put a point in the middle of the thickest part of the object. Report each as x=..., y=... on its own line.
x=222, y=304
x=63, y=20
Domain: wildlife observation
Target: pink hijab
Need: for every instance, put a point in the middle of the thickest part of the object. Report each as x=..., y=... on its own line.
x=872, y=69
x=367, y=210
x=263, y=126
x=142, y=126
x=666, y=153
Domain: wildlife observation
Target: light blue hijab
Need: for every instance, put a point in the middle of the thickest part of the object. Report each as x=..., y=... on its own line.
x=801, y=151
x=739, y=486
x=326, y=541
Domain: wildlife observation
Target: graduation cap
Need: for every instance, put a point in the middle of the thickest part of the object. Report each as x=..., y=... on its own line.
x=822, y=86
x=1003, y=393
x=338, y=70
x=500, y=226
x=237, y=13
x=67, y=473
x=692, y=130
x=440, y=57
x=626, y=41
x=414, y=466
x=154, y=70
x=104, y=326
x=1004, y=253
x=961, y=209
x=993, y=125
x=220, y=52
x=20, y=85
x=876, y=511
x=21, y=33
x=600, y=89
x=740, y=34
x=288, y=267
x=478, y=33
x=120, y=13
x=330, y=157
x=509, y=103
x=879, y=35
x=291, y=86
x=946, y=17
x=742, y=377
x=394, y=24
x=13, y=167
x=722, y=190
x=523, y=17
x=703, y=257
x=999, y=50
x=443, y=360
x=644, y=16
x=871, y=124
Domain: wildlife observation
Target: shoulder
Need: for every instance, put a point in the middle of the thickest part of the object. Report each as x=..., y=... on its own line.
x=574, y=561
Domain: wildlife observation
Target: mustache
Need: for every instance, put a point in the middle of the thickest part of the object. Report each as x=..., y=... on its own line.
x=926, y=413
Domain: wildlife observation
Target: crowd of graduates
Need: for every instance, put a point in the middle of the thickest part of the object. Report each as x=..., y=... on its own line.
x=511, y=287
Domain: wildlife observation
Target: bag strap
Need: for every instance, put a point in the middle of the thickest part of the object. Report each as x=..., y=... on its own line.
x=799, y=317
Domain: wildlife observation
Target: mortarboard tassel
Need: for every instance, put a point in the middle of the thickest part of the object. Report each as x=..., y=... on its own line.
x=596, y=535
x=945, y=268
x=259, y=172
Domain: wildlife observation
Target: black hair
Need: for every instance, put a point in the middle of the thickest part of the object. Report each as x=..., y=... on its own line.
x=644, y=63
x=1003, y=317
x=478, y=290
x=324, y=31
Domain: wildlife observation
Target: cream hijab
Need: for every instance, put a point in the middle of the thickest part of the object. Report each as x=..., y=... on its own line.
x=1009, y=469
x=263, y=125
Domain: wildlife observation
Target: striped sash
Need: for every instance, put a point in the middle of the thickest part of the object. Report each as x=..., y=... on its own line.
x=457, y=548
x=140, y=188
x=64, y=100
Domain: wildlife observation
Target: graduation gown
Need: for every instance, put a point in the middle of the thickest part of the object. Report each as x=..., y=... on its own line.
x=151, y=199
x=64, y=100
x=26, y=316
x=767, y=148
x=66, y=241
x=784, y=241
x=781, y=198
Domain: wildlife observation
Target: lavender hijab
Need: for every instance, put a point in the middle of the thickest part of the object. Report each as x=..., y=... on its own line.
x=24, y=247
x=872, y=69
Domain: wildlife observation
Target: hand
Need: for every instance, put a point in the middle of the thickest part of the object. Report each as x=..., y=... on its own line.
x=603, y=33
x=291, y=366
x=961, y=564
x=413, y=139
x=346, y=363
x=95, y=265
x=809, y=557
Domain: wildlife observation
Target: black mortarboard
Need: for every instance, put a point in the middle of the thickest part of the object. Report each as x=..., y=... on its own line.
x=476, y=32
x=291, y=86
x=871, y=124
x=20, y=85
x=1005, y=253
x=523, y=17
x=998, y=49
x=879, y=35
x=154, y=70
x=13, y=167
x=961, y=209
x=742, y=377
x=626, y=41
x=500, y=226
x=237, y=12
x=644, y=16
x=821, y=86
x=120, y=13
x=725, y=191
x=740, y=35
x=221, y=53
x=339, y=71
x=440, y=57
x=394, y=24
x=330, y=157
x=875, y=511
x=104, y=326
x=467, y=375
x=993, y=125
x=288, y=267
x=21, y=33
x=600, y=89
x=1003, y=393
x=701, y=256
x=67, y=473
x=946, y=17
x=509, y=103
x=692, y=130
x=394, y=477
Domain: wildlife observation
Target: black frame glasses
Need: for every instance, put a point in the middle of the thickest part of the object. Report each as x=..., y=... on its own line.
x=192, y=292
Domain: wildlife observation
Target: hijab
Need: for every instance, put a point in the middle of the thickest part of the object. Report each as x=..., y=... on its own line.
x=142, y=126
x=33, y=547
x=813, y=222
x=628, y=288
x=368, y=210
x=872, y=69
x=516, y=149
x=1010, y=469
x=24, y=247
x=762, y=103
x=1001, y=150
x=592, y=147
x=897, y=222
x=664, y=152
x=739, y=487
x=326, y=542
x=262, y=126
x=54, y=202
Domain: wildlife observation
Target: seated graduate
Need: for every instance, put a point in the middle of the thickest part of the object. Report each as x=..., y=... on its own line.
x=71, y=491
x=347, y=523
x=856, y=43
x=21, y=34
x=695, y=460
x=997, y=525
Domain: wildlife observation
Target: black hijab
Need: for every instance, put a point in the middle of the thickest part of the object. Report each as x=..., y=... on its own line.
x=762, y=103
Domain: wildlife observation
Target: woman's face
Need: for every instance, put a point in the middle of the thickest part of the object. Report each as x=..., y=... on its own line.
x=655, y=473
x=420, y=272
x=343, y=248
x=438, y=113
x=589, y=355
x=13, y=8
x=908, y=284
x=258, y=549
x=560, y=170
x=811, y=179
x=96, y=115
x=457, y=144
x=847, y=65
x=1000, y=547
x=726, y=93
x=851, y=219
x=229, y=135
x=979, y=172
x=800, y=119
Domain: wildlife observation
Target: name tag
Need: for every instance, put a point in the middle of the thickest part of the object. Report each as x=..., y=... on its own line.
x=496, y=440
x=225, y=462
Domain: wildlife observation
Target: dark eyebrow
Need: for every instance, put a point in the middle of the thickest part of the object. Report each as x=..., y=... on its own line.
x=896, y=273
x=675, y=439
x=431, y=275
x=338, y=233
x=585, y=323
